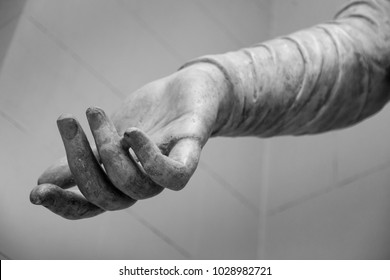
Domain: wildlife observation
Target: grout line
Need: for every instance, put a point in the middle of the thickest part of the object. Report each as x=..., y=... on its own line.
x=161, y=235
x=155, y=34
x=230, y=189
x=11, y=19
x=364, y=173
x=335, y=158
x=13, y=122
x=221, y=25
x=76, y=57
x=5, y=255
x=21, y=128
x=3, y=26
x=263, y=200
x=341, y=184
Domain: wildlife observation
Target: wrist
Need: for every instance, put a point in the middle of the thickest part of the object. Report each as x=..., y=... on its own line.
x=219, y=87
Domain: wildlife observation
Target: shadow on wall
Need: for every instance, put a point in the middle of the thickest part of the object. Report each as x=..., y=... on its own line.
x=10, y=11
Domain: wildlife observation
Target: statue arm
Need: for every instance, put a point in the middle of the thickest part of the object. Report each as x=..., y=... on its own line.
x=328, y=77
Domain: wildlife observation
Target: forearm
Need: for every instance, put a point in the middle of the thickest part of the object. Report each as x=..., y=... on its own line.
x=328, y=77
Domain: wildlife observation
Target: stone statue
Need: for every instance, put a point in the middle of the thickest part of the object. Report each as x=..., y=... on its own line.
x=331, y=76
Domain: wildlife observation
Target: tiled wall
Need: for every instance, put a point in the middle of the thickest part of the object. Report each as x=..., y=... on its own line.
x=328, y=195
x=323, y=196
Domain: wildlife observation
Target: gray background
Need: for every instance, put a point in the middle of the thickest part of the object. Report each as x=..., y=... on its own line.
x=325, y=196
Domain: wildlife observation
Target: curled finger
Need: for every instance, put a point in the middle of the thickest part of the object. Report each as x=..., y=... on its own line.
x=172, y=171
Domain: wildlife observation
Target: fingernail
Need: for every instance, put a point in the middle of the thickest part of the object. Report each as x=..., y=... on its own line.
x=135, y=137
x=68, y=126
x=131, y=132
x=96, y=117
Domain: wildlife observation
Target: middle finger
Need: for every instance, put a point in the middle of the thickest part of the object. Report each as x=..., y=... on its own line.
x=88, y=174
x=120, y=168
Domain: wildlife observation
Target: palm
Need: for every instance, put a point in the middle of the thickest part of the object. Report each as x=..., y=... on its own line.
x=167, y=113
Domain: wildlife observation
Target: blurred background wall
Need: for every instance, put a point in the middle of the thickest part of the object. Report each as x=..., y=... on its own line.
x=317, y=197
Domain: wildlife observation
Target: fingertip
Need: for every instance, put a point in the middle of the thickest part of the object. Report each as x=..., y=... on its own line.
x=65, y=116
x=40, y=195
x=137, y=139
x=94, y=109
x=96, y=117
x=35, y=198
x=132, y=133
x=67, y=204
x=68, y=126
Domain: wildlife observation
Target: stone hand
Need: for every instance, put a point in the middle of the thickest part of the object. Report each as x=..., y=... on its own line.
x=153, y=141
